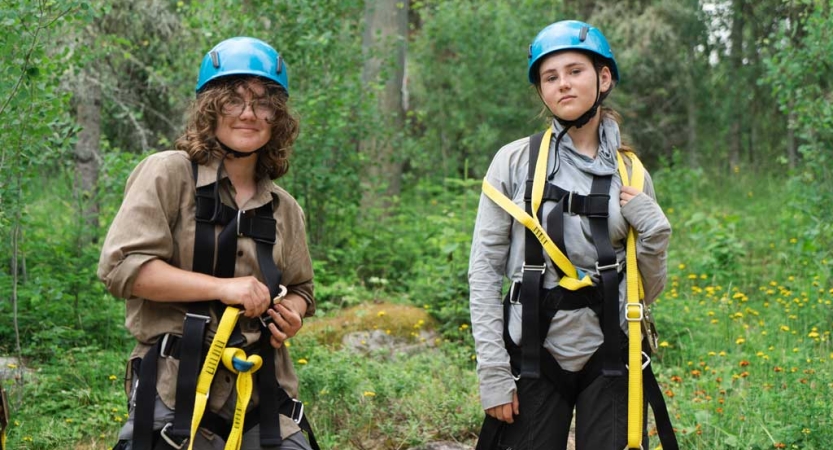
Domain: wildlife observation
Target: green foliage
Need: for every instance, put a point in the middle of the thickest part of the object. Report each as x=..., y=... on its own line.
x=746, y=345
x=79, y=396
x=358, y=402
x=470, y=92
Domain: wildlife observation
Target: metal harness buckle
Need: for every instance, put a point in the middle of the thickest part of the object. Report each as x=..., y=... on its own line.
x=297, y=413
x=570, y=204
x=646, y=360
x=542, y=268
x=169, y=440
x=164, y=351
x=239, y=216
x=599, y=268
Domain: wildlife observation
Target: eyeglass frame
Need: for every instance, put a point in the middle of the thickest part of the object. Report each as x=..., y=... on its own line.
x=247, y=104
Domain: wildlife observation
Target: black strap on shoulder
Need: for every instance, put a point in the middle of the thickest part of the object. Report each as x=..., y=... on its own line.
x=608, y=268
x=532, y=281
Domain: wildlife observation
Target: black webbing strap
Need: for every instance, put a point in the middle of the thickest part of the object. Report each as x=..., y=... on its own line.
x=574, y=203
x=271, y=395
x=145, y=396
x=531, y=282
x=608, y=268
x=665, y=430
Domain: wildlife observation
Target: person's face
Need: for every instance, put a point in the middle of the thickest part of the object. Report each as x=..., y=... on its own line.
x=568, y=83
x=243, y=124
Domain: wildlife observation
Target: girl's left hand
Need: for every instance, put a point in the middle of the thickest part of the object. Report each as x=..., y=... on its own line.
x=627, y=193
x=286, y=322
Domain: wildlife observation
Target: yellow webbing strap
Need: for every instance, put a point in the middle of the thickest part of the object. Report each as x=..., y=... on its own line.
x=634, y=313
x=209, y=368
x=570, y=280
x=5, y=417
x=244, y=391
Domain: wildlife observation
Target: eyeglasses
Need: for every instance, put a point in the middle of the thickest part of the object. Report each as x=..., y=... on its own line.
x=261, y=108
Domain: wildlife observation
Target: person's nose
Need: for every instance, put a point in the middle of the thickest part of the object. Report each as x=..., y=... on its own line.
x=248, y=111
x=563, y=83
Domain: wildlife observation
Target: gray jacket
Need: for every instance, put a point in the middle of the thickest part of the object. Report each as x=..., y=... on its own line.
x=497, y=254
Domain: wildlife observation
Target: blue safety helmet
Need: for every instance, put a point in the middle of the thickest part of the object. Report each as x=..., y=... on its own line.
x=243, y=56
x=569, y=35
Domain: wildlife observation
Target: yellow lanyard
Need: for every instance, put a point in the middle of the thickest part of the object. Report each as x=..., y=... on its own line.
x=634, y=314
x=571, y=279
x=218, y=352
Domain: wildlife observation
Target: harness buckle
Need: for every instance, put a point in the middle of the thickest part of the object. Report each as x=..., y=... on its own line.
x=646, y=361
x=512, y=299
x=164, y=351
x=640, y=309
x=207, y=319
x=239, y=217
x=532, y=267
x=297, y=413
x=570, y=204
x=599, y=268
x=172, y=441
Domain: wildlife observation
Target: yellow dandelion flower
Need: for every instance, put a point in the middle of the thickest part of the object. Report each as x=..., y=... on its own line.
x=740, y=341
x=302, y=361
x=381, y=313
x=813, y=334
x=112, y=377
x=793, y=240
x=369, y=394
x=681, y=267
x=785, y=328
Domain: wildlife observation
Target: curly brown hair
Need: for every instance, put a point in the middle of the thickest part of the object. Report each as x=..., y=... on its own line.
x=204, y=113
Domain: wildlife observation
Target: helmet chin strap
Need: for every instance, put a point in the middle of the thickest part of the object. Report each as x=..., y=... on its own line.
x=234, y=153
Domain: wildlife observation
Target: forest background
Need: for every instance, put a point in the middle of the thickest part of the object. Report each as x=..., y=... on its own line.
x=402, y=105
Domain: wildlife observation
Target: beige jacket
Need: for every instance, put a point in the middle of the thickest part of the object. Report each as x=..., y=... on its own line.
x=157, y=220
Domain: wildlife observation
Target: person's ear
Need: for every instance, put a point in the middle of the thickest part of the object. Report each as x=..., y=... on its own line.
x=605, y=79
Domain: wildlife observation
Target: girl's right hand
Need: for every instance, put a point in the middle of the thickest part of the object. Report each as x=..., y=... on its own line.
x=246, y=292
x=506, y=412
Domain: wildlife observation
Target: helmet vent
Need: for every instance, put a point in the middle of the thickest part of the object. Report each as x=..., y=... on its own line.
x=529, y=52
x=279, y=69
x=582, y=35
x=215, y=59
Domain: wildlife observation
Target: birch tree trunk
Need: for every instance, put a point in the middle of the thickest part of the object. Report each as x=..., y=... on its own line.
x=384, y=43
x=88, y=151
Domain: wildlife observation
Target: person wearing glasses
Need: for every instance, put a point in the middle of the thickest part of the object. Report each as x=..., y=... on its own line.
x=212, y=259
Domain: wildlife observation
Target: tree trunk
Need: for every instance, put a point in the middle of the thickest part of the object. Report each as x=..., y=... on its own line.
x=792, y=151
x=582, y=9
x=735, y=128
x=691, y=109
x=88, y=152
x=384, y=43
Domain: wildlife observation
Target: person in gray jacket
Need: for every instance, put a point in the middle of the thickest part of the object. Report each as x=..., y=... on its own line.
x=543, y=349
